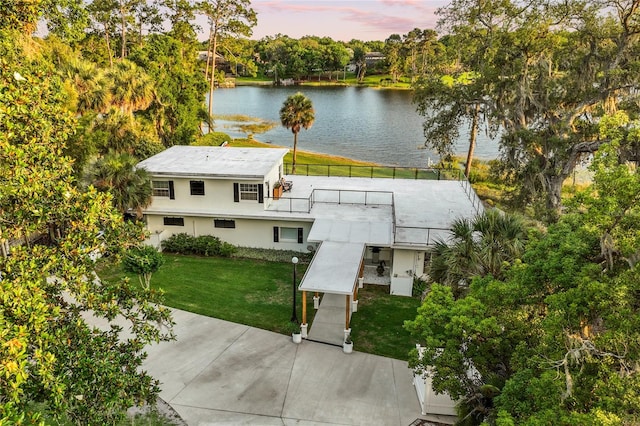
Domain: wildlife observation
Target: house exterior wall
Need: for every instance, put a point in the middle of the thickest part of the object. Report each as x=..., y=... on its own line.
x=405, y=264
x=218, y=196
x=214, y=206
x=271, y=178
x=247, y=232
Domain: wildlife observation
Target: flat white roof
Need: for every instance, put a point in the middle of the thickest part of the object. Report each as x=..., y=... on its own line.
x=377, y=233
x=334, y=269
x=214, y=161
x=371, y=210
x=348, y=213
x=351, y=213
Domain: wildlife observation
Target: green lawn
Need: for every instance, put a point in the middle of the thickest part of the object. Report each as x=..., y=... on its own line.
x=245, y=291
x=377, y=326
x=313, y=164
x=301, y=156
x=258, y=293
x=370, y=171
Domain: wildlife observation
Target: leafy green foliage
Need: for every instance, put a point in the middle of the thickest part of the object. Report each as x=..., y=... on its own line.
x=177, y=110
x=538, y=74
x=21, y=15
x=556, y=336
x=291, y=327
x=144, y=261
x=212, y=139
x=203, y=245
x=484, y=245
x=130, y=187
x=271, y=255
x=419, y=287
x=49, y=230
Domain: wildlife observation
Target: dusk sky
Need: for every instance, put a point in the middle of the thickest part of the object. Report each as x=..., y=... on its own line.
x=344, y=20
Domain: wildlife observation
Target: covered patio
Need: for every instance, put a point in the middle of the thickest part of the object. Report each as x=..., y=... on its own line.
x=334, y=272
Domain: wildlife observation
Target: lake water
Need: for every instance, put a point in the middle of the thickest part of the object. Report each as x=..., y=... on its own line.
x=362, y=123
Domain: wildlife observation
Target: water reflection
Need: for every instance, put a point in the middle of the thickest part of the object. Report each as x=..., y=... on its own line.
x=361, y=123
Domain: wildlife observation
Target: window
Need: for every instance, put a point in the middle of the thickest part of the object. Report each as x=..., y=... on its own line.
x=160, y=188
x=248, y=191
x=288, y=234
x=197, y=187
x=284, y=234
x=224, y=223
x=174, y=221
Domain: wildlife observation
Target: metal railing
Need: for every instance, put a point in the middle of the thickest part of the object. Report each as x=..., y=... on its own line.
x=332, y=196
x=473, y=197
x=427, y=238
x=292, y=204
x=352, y=196
x=389, y=172
x=421, y=236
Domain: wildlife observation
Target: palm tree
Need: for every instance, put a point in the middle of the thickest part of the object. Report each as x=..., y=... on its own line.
x=91, y=85
x=502, y=239
x=297, y=113
x=477, y=247
x=130, y=187
x=116, y=131
x=131, y=88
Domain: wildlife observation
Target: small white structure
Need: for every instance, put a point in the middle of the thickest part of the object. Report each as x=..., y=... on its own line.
x=232, y=193
x=430, y=402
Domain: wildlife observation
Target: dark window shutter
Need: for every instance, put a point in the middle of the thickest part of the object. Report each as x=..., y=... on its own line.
x=299, y=235
x=261, y=193
x=276, y=234
x=172, y=194
x=236, y=192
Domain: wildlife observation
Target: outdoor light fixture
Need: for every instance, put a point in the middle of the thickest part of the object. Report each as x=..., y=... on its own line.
x=294, y=315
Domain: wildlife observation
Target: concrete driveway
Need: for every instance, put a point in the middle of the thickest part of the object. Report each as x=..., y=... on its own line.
x=222, y=373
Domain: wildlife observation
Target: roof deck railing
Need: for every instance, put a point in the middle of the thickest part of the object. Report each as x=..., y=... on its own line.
x=421, y=236
x=389, y=172
x=352, y=196
x=473, y=197
x=334, y=196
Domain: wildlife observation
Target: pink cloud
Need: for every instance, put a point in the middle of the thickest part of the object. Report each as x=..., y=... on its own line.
x=344, y=20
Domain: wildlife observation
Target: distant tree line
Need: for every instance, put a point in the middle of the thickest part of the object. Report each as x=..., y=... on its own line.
x=535, y=330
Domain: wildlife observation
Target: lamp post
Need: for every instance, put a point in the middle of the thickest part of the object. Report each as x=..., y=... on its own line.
x=294, y=315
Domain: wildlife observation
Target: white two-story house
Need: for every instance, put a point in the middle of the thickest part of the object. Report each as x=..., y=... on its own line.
x=350, y=224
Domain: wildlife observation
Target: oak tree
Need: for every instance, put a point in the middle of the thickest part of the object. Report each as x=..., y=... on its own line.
x=50, y=233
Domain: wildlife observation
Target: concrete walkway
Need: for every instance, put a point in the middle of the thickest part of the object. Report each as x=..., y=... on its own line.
x=329, y=320
x=222, y=373
x=328, y=323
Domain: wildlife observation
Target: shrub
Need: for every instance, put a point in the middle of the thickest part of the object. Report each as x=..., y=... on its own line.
x=178, y=243
x=212, y=139
x=227, y=250
x=419, y=287
x=204, y=245
x=292, y=327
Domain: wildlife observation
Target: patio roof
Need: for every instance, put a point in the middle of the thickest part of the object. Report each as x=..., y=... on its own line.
x=334, y=268
x=376, y=232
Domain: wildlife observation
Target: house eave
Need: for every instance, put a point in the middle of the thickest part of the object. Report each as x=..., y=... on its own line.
x=201, y=176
